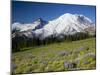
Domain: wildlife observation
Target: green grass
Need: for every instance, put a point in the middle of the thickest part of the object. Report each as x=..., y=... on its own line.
x=50, y=58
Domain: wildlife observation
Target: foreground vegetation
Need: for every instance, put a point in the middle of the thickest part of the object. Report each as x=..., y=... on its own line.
x=62, y=56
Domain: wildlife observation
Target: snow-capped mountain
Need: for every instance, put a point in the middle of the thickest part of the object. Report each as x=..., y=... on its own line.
x=39, y=23
x=65, y=24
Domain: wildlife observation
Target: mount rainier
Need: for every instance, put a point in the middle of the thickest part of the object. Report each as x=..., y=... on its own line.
x=64, y=25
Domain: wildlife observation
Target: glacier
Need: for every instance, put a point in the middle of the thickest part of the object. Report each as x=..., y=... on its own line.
x=65, y=24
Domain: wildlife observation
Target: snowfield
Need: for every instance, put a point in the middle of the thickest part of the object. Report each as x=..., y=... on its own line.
x=65, y=24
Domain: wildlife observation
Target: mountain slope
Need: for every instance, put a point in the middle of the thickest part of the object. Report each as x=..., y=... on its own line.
x=65, y=24
x=39, y=23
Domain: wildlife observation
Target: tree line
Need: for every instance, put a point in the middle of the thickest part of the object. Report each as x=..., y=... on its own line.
x=19, y=42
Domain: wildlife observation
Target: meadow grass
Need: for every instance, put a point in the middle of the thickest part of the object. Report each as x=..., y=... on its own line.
x=64, y=56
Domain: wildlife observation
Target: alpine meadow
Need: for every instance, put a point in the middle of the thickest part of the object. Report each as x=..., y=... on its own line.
x=52, y=37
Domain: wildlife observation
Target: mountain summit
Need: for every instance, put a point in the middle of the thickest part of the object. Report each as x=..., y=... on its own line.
x=38, y=23
x=64, y=25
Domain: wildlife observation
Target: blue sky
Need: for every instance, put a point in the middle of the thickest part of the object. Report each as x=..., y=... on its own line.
x=28, y=12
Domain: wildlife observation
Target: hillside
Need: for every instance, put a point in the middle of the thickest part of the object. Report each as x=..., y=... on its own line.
x=65, y=27
x=63, y=56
